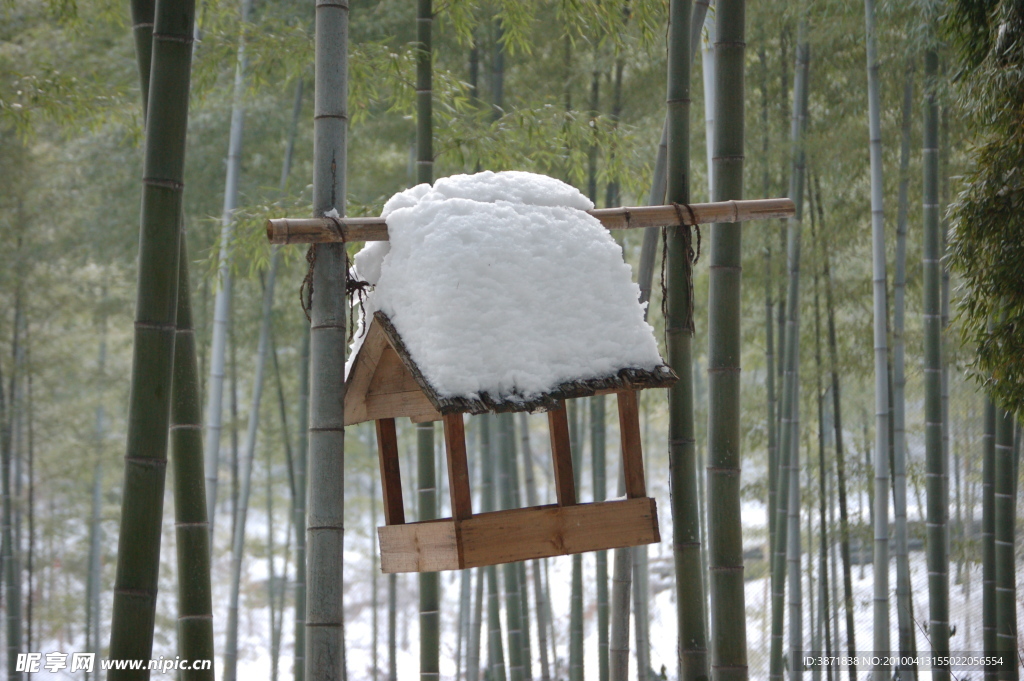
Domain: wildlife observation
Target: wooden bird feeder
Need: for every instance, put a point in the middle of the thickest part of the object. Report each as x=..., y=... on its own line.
x=384, y=383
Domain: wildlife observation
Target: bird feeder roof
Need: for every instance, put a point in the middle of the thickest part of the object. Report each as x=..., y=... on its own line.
x=498, y=292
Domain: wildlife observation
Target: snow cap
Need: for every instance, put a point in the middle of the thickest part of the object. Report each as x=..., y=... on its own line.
x=501, y=284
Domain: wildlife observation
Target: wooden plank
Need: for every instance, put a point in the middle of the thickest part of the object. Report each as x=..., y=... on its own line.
x=392, y=405
x=361, y=374
x=390, y=476
x=561, y=456
x=391, y=376
x=458, y=470
x=419, y=547
x=327, y=230
x=632, y=453
x=545, y=531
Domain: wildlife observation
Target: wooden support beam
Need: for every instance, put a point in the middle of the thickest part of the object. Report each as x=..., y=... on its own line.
x=327, y=230
x=390, y=476
x=561, y=456
x=632, y=453
x=458, y=470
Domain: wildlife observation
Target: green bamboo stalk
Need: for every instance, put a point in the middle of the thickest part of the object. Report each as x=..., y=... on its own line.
x=823, y=529
x=429, y=582
x=1004, y=495
x=773, y=450
x=576, y=636
x=787, y=494
x=195, y=602
x=222, y=301
x=275, y=640
x=302, y=447
x=837, y=423
x=640, y=613
x=510, y=571
x=649, y=246
x=92, y=600
x=8, y=554
x=392, y=627
x=325, y=520
x=462, y=640
x=691, y=644
x=988, y=545
x=488, y=464
x=618, y=644
x=938, y=549
x=138, y=560
x=540, y=603
x=473, y=651
x=904, y=603
x=600, y=485
x=881, y=498
x=374, y=589
x=725, y=532
x=238, y=541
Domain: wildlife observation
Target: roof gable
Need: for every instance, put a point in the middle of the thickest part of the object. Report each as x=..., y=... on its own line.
x=385, y=382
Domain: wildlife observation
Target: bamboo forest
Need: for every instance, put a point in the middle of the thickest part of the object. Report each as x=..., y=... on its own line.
x=512, y=340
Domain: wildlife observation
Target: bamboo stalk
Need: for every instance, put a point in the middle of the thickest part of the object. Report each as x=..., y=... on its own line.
x=1004, y=502
x=881, y=644
x=238, y=541
x=138, y=559
x=937, y=538
x=538, y=587
x=904, y=603
x=328, y=230
x=325, y=520
x=988, y=545
x=787, y=494
x=691, y=648
x=222, y=299
x=725, y=532
x=195, y=601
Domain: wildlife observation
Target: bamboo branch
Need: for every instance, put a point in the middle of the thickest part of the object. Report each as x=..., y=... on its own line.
x=328, y=230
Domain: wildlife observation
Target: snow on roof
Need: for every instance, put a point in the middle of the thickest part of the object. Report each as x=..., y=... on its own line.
x=500, y=284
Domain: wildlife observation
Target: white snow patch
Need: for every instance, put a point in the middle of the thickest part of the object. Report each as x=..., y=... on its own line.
x=501, y=283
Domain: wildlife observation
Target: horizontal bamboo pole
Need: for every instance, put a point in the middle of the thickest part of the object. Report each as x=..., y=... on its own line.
x=327, y=230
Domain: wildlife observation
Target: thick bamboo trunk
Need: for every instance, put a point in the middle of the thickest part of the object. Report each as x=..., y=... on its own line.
x=222, y=300
x=786, y=558
x=325, y=521
x=138, y=560
x=904, y=603
x=881, y=461
x=935, y=466
x=691, y=644
x=725, y=532
x=1004, y=494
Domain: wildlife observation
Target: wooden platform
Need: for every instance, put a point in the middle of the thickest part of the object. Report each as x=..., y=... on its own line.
x=519, y=534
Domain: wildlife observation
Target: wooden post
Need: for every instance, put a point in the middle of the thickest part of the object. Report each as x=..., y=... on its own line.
x=632, y=453
x=390, y=476
x=458, y=471
x=561, y=456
